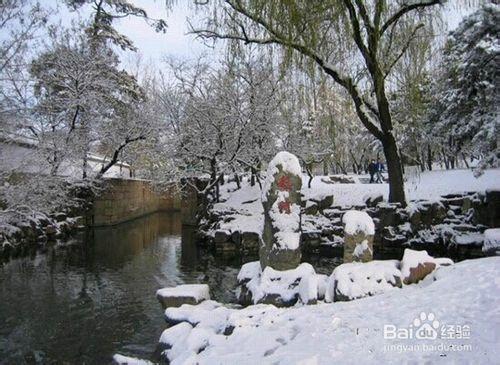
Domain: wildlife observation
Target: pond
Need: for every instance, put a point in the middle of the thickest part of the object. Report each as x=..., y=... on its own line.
x=83, y=301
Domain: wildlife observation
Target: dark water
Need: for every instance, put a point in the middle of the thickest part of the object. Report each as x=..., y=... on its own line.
x=82, y=302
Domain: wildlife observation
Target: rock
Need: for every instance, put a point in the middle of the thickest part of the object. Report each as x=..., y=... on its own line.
x=308, y=289
x=183, y=294
x=236, y=237
x=493, y=207
x=311, y=208
x=388, y=215
x=425, y=214
x=173, y=334
x=279, y=288
x=51, y=231
x=222, y=236
x=310, y=241
x=491, y=244
x=324, y=203
x=373, y=200
x=322, y=285
x=359, y=230
x=223, y=242
x=60, y=217
x=357, y=280
x=250, y=241
x=416, y=265
x=193, y=314
x=281, y=201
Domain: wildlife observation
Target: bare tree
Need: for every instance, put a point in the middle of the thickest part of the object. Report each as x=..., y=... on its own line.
x=355, y=42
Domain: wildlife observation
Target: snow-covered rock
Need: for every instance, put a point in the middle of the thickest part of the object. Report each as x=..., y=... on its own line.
x=357, y=280
x=492, y=241
x=174, y=334
x=281, y=288
x=322, y=285
x=356, y=221
x=183, y=294
x=193, y=314
x=281, y=199
x=359, y=230
x=416, y=265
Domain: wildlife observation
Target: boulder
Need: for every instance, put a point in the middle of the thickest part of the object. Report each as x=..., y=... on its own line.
x=51, y=231
x=493, y=204
x=59, y=217
x=311, y=208
x=222, y=236
x=357, y=280
x=250, y=241
x=359, y=230
x=322, y=285
x=281, y=199
x=416, y=265
x=323, y=203
x=310, y=240
x=279, y=288
x=183, y=294
x=224, y=242
x=425, y=214
x=372, y=200
x=388, y=215
x=491, y=244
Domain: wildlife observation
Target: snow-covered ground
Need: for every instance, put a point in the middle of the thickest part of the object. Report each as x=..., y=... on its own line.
x=451, y=317
x=429, y=185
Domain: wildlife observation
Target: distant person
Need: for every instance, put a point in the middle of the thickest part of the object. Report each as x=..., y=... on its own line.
x=371, y=170
x=379, y=167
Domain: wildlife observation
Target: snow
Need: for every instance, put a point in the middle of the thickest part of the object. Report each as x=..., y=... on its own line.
x=249, y=271
x=357, y=280
x=126, y=360
x=287, y=225
x=357, y=221
x=322, y=285
x=361, y=248
x=282, y=283
x=465, y=294
x=197, y=291
x=491, y=239
x=288, y=162
x=308, y=289
x=246, y=205
x=186, y=313
x=175, y=333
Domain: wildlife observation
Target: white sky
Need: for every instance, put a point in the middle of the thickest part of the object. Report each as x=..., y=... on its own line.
x=176, y=42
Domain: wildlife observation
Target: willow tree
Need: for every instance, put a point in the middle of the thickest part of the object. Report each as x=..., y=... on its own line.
x=355, y=42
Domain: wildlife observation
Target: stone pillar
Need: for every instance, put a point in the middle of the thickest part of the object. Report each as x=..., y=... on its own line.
x=281, y=197
x=359, y=230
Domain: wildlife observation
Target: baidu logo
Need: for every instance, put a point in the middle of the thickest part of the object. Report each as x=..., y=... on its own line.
x=426, y=327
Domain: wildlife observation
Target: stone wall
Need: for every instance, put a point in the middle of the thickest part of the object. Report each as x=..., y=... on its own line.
x=123, y=200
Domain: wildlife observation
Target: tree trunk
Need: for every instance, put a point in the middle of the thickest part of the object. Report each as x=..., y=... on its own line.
x=465, y=161
x=309, y=173
x=237, y=180
x=394, y=169
x=429, y=157
x=252, y=176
